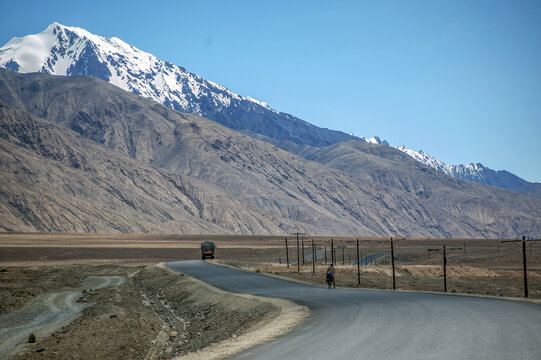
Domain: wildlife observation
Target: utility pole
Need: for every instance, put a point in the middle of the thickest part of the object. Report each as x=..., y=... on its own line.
x=332, y=251
x=287, y=255
x=392, y=260
x=325, y=255
x=358, y=265
x=302, y=240
x=343, y=260
x=298, y=251
x=313, y=257
x=524, y=268
x=444, y=251
x=444, y=270
x=298, y=256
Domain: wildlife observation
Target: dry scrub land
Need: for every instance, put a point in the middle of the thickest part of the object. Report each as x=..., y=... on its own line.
x=156, y=314
x=481, y=267
x=159, y=314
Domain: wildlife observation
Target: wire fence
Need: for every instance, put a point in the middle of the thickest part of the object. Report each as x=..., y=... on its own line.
x=470, y=266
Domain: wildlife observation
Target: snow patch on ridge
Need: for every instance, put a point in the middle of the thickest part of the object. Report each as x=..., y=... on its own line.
x=372, y=140
x=471, y=172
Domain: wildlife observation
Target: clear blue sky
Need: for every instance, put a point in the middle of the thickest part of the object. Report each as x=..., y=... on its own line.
x=460, y=80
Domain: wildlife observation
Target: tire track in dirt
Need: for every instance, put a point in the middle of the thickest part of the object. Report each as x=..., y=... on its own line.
x=47, y=313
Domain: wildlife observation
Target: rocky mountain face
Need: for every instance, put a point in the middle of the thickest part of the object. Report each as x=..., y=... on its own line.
x=63, y=50
x=53, y=179
x=101, y=159
x=477, y=173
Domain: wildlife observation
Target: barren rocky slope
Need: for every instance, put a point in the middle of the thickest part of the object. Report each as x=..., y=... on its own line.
x=349, y=188
x=52, y=179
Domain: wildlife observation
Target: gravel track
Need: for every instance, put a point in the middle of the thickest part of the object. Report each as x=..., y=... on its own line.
x=47, y=313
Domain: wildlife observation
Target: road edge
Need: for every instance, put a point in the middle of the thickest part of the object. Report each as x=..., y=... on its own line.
x=509, y=298
x=289, y=316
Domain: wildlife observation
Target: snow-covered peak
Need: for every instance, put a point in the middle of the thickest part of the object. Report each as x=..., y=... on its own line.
x=469, y=172
x=372, y=140
x=375, y=140
x=29, y=53
x=65, y=50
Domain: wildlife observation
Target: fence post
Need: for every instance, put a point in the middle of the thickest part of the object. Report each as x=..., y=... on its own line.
x=444, y=270
x=332, y=251
x=358, y=265
x=313, y=258
x=325, y=255
x=302, y=240
x=298, y=255
x=392, y=260
x=287, y=255
x=343, y=260
x=524, y=266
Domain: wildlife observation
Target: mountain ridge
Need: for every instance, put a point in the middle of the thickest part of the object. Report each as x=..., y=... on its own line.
x=74, y=51
x=477, y=172
x=349, y=188
x=52, y=182
x=64, y=50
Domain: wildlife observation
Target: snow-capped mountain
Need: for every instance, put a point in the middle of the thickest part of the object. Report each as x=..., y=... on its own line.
x=476, y=173
x=63, y=50
x=372, y=140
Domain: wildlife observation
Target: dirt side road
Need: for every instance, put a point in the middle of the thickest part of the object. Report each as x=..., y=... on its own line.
x=47, y=313
x=153, y=314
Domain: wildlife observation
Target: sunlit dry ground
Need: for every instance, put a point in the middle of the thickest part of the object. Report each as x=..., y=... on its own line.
x=477, y=266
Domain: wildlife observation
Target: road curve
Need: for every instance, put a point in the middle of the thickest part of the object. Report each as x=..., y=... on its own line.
x=369, y=324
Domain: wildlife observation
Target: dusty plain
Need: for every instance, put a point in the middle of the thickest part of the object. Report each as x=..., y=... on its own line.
x=158, y=314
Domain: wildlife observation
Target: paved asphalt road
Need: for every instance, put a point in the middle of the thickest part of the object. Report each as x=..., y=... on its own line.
x=366, y=324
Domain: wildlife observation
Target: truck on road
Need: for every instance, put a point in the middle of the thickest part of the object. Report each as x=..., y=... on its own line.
x=207, y=249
